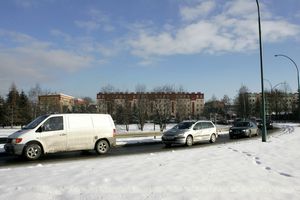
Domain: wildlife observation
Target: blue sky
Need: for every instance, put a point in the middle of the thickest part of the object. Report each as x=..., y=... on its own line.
x=77, y=47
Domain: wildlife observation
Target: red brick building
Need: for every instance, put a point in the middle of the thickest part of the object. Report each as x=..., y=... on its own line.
x=187, y=104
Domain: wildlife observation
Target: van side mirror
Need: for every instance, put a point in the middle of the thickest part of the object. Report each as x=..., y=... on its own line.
x=40, y=129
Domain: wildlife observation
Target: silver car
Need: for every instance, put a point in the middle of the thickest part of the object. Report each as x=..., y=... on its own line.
x=189, y=132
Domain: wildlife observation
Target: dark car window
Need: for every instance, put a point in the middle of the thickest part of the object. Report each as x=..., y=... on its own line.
x=242, y=124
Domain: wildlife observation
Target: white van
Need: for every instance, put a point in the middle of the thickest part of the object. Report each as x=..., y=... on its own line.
x=63, y=132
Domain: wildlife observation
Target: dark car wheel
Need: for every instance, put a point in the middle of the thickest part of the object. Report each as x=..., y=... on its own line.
x=258, y=132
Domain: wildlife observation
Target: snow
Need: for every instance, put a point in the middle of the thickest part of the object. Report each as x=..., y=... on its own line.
x=244, y=169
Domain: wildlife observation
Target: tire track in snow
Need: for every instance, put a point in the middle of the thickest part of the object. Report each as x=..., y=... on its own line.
x=286, y=129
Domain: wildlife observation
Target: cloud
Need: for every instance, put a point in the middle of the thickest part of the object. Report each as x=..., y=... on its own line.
x=231, y=27
x=297, y=15
x=24, y=58
x=60, y=34
x=97, y=21
x=88, y=25
x=86, y=44
x=200, y=10
x=26, y=3
x=240, y=8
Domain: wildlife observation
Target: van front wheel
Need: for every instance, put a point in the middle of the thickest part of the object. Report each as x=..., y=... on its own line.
x=33, y=151
x=102, y=147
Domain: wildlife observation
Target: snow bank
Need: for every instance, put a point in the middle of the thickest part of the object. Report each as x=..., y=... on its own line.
x=245, y=169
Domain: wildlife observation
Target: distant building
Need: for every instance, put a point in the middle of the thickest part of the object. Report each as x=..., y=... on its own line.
x=58, y=103
x=186, y=104
x=276, y=103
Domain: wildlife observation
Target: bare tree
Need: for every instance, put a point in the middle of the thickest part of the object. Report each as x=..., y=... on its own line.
x=242, y=102
x=12, y=103
x=33, y=96
x=141, y=105
x=181, y=107
x=109, y=106
x=163, y=105
x=3, y=112
x=109, y=89
x=227, y=104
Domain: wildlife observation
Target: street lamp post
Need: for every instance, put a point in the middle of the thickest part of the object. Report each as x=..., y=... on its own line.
x=297, y=80
x=263, y=112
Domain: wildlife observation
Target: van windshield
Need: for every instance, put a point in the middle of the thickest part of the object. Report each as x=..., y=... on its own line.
x=35, y=122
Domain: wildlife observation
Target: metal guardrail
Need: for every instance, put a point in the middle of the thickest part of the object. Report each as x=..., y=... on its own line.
x=138, y=134
x=152, y=133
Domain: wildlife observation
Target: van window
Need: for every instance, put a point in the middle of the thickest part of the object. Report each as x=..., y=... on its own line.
x=53, y=124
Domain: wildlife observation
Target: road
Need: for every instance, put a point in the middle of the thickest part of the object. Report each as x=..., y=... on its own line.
x=126, y=150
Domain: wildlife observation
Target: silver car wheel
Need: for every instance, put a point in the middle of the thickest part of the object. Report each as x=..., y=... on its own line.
x=212, y=138
x=102, y=147
x=189, y=140
x=250, y=134
x=33, y=151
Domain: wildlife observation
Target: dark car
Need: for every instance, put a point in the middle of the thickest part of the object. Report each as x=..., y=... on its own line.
x=269, y=124
x=243, y=129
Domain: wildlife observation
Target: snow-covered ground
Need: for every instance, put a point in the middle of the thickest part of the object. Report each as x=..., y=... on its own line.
x=248, y=169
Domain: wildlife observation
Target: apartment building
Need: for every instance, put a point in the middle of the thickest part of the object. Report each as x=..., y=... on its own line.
x=275, y=102
x=58, y=103
x=187, y=104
